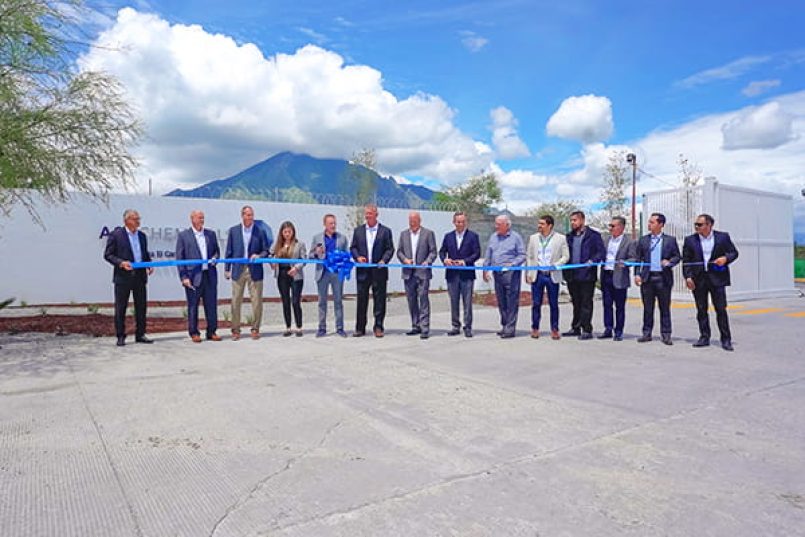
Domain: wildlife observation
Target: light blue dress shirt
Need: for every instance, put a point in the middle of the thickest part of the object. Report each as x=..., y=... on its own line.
x=656, y=253
x=505, y=250
x=134, y=241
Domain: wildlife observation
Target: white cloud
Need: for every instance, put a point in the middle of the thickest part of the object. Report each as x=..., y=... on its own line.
x=507, y=143
x=586, y=118
x=519, y=179
x=764, y=127
x=213, y=107
x=564, y=189
x=473, y=42
x=731, y=70
x=759, y=87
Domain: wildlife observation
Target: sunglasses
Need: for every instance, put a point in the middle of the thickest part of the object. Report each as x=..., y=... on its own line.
x=699, y=224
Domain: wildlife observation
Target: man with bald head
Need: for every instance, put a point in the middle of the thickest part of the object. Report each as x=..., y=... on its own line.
x=506, y=249
x=200, y=281
x=417, y=246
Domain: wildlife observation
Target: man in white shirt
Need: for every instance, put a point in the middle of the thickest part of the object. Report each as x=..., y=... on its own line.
x=417, y=246
x=546, y=248
x=615, y=279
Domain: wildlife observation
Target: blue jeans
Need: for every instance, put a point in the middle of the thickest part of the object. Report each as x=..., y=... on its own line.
x=538, y=288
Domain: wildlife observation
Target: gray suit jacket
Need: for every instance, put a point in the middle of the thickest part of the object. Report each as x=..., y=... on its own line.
x=626, y=252
x=318, y=239
x=425, y=253
x=297, y=253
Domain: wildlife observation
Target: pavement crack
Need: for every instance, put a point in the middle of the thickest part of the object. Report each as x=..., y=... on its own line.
x=246, y=498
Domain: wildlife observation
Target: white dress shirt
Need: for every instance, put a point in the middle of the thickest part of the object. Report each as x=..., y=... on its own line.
x=707, y=248
x=459, y=238
x=247, y=238
x=201, y=241
x=545, y=250
x=612, y=252
x=371, y=234
x=414, y=243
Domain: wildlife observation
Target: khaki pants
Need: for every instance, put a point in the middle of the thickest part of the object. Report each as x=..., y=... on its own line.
x=256, y=296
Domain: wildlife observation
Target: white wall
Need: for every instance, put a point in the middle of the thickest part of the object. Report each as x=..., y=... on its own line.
x=64, y=262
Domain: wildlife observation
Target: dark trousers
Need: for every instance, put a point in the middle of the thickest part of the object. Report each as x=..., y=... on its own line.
x=613, y=297
x=460, y=291
x=718, y=294
x=654, y=289
x=581, y=295
x=208, y=293
x=416, y=291
x=291, y=294
x=132, y=286
x=507, y=290
x=538, y=288
x=378, y=288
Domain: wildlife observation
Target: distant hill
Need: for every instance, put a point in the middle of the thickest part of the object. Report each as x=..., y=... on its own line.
x=302, y=178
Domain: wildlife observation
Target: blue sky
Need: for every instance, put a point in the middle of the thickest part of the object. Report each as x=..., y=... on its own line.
x=720, y=81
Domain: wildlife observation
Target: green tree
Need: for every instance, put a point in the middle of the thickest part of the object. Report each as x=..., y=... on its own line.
x=474, y=196
x=559, y=209
x=690, y=173
x=61, y=130
x=613, y=191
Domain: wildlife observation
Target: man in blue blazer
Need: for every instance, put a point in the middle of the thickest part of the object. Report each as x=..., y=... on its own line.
x=586, y=246
x=126, y=245
x=706, y=256
x=200, y=281
x=660, y=254
x=371, y=243
x=461, y=248
x=246, y=240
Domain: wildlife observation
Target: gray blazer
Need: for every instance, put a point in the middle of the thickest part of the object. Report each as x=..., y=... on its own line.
x=298, y=253
x=318, y=239
x=425, y=253
x=626, y=252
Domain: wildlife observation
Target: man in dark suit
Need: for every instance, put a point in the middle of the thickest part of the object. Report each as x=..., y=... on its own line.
x=461, y=248
x=246, y=240
x=586, y=246
x=660, y=253
x=706, y=256
x=615, y=278
x=417, y=246
x=126, y=245
x=371, y=243
x=199, y=280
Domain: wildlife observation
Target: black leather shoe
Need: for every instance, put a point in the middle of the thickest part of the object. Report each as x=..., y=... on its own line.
x=585, y=336
x=618, y=337
x=467, y=332
x=507, y=335
x=413, y=332
x=121, y=342
x=727, y=345
x=424, y=335
x=454, y=332
x=571, y=333
x=702, y=342
x=143, y=339
x=605, y=335
x=358, y=333
x=644, y=339
x=667, y=340
x=499, y=333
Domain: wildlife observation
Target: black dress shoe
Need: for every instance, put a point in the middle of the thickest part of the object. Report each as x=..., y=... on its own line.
x=571, y=333
x=424, y=335
x=605, y=335
x=121, y=342
x=358, y=333
x=727, y=345
x=454, y=332
x=467, y=332
x=618, y=337
x=143, y=339
x=499, y=333
x=506, y=335
x=667, y=340
x=644, y=339
x=702, y=342
x=413, y=332
x=585, y=336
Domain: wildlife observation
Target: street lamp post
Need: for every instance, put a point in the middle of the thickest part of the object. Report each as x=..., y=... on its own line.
x=631, y=158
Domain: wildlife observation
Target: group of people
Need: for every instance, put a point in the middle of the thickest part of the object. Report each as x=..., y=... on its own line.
x=586, y=256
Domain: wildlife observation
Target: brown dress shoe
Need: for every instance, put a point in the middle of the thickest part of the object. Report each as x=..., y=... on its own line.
x=196, y=338
x=378, y=332
x=535, y=334
x=235, y=336
x=214, y=337
x=255, y=334
x=555, y=334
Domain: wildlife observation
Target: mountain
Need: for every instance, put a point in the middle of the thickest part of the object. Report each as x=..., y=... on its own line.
x=302, y=178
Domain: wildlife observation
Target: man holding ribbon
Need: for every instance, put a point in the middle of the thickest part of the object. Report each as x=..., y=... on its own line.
x=324, y=244
x=615, y=278
x=659, y=253
x=200, y=280
x=586, y=248
x=127, y=245
x=460, y=248
x=506, y=250
x=706, y=256
x=245, y=240
x=417, y=246
x=371, y=243
x=545, y=249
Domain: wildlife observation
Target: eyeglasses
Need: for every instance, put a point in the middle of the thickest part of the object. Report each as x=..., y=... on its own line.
x=611, y=226
x=699, y=224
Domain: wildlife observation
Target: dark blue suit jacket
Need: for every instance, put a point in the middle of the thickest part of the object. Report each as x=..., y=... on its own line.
x=118, y=250
x=692, y=253
x=186, y=248
x=670, y=251
x=470, y=252
x=592, y=249
x=382, y=250
x=234, y=248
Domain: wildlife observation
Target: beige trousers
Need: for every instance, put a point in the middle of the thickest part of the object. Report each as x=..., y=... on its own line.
x=256, y=296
